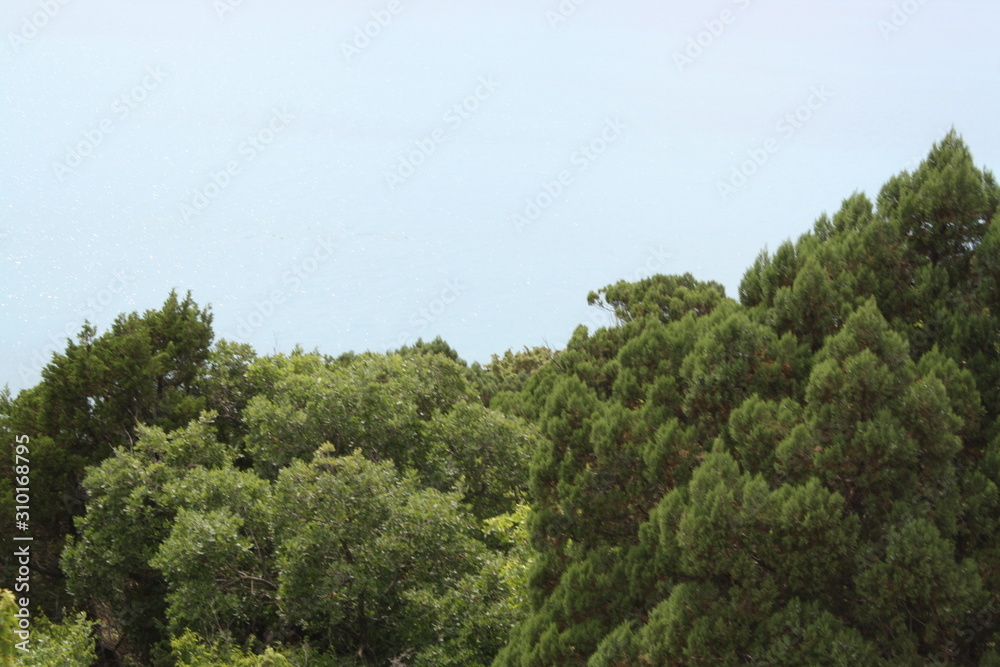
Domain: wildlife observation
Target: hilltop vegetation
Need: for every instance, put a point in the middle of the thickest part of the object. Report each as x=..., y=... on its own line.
x=806, y=476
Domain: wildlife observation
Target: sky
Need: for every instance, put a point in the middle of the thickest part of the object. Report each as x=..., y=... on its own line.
x=354, y=176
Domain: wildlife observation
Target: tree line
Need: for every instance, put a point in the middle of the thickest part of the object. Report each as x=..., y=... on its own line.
x=807, y=474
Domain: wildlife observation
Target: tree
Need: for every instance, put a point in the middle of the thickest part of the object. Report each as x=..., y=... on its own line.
x=218, y=558
x=418, y=412
x=820, y=462
x=92, y=398
x=129, y=514
x=468, y=623
x=739, y=555
x=667, y=297
x=355, y=539
x=808, y=476
x=943, y=208
x=67, y=644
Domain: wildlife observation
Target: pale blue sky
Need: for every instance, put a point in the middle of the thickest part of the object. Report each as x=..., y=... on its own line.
x=442, y=253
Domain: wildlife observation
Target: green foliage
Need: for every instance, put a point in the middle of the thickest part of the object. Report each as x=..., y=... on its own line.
x=820, y=464
x=66, y=644
x=93, y=397
x=8, y=624
x=143, y=370
x=808, y=476
x=737, y=545
x=353, y=552
x=128, y=515
x=667, y=297
x=227, y=386
x=734, y=358
x=492, y=471
x=342, y=550
x=436, y=346
x=470, y=622
x=943, y=207
x=418, y=412
x=355, y=538
x=375, y=403
x=217, y=571
x=191, y=650
x=508, y=374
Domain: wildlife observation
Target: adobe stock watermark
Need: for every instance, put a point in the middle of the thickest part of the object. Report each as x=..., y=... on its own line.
x=714, y=29
x=291, y=280
x=364, y=34
x=563, y=12
x=121, y=109
x=248, y=151
x=33, y=25
x=453, y=119
x=22, y=521
x=581, y=160
x=93, y=305
x=786, y=127
x=971, y=626
x=432, y=311
x=225, y=7
x=899, y=17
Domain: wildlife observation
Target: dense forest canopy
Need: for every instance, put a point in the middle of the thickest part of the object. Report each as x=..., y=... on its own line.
x=806, y=476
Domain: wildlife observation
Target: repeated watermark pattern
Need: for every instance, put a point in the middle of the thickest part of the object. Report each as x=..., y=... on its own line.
x=121, y=109
x=581, y=161
x=249, y=150
x=786, y=127
x=432, y=312
x=968, y=630
x=94, y=305
x=224, y=8
x=364, y=34
x=291, y=280
x=453, y=119
x=714, y=28
x=35, y=23
x=899, y=17
x=562, y=13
